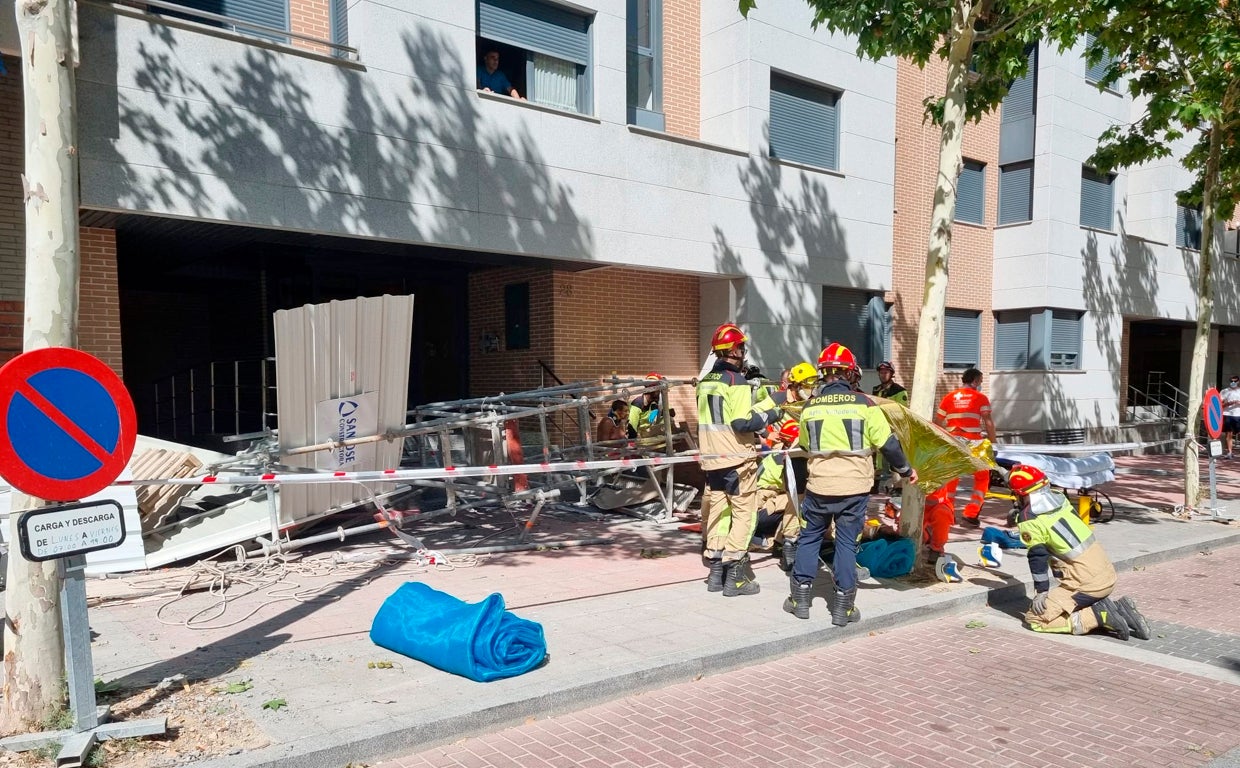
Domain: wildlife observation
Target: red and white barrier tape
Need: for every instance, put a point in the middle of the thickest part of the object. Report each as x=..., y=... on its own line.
x=427, y=473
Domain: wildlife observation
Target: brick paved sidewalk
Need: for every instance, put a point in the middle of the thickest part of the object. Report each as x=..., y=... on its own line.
x=929, y=694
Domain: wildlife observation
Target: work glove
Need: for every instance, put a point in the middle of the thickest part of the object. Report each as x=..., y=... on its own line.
x=1038, y=605
x=753, y=372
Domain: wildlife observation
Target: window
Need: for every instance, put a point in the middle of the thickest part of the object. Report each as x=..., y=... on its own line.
x=804, y=123
x=1065, y=346
x=1016, y=192
x=1097, y=199
x=272, y=14
x=517, y=316
x=1188, y=227
x=962, y=333
x=860, y=321
x=544, y=50
x=1095, y=72
x=971, y=193
x=1039, y=339
x=340, y=22
x=645, y=63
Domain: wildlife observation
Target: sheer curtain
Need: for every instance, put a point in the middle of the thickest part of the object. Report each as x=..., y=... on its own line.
x=555, y=82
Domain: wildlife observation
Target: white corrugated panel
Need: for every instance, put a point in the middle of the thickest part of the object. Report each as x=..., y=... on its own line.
x=332, y=351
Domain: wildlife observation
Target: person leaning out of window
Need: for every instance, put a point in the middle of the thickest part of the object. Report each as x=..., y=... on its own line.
x=492, y=79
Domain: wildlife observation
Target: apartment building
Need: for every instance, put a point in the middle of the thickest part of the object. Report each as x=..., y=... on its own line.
x=669, y=165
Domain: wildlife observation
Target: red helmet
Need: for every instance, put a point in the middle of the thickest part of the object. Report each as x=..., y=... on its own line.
x=789, y=431
x=652, y=376
x=726, y=337
x=837, y=355
x=1024, y=479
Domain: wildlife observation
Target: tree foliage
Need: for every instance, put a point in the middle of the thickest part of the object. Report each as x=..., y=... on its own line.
x=1181, y=60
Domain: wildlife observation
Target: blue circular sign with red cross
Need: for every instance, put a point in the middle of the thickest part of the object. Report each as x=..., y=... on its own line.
x=1212, y=413
x=69, y=425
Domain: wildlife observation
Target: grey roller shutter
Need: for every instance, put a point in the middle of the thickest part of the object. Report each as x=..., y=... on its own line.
x=846, y=320
x=1012, y=341
x=536, y=27
x=1187, y=227
x=1065, y=339
x=1095, y=72
x=1015, y=193
x=961, y=338
x=267, y=13
x=1096, y=199
x=971, y=193
x=1017, y=122
x=804, y=123
x=340, y=22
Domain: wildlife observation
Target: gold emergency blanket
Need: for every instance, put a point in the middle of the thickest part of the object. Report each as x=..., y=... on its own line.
x=937, y=456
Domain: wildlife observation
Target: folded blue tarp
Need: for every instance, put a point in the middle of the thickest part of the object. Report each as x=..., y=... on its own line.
x=481, y=641
x=885, y=558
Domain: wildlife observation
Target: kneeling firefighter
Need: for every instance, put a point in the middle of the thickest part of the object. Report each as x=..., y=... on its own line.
x=1081, y=601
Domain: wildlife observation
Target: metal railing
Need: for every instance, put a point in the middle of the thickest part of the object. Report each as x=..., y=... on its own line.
x=218, y=398
x=240, y=26
x=1160, y=400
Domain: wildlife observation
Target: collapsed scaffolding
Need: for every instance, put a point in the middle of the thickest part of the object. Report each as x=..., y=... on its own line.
x=556, y=425
x=455, y=471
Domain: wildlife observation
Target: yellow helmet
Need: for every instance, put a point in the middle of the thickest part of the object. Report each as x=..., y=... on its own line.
x=802, y=374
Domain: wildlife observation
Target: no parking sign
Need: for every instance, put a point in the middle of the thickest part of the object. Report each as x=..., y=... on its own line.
x=1212, y=413
x=68, y=424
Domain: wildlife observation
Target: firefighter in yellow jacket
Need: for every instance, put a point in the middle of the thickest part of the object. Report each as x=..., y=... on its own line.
x=728, y=420
x=1081, y=601
x=841, y=429
x=773, y=496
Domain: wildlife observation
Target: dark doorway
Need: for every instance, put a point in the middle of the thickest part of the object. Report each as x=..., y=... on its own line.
x=1155, y=353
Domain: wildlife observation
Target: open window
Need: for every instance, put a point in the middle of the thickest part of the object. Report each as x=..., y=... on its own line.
x=544, y=50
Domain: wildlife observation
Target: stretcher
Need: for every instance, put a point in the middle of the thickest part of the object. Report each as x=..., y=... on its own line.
x=1076, y=473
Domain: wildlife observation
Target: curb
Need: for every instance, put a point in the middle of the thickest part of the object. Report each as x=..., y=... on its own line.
x=427, y=735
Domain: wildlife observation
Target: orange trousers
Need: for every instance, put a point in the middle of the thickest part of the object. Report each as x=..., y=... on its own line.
x=937, y=520
x=947, y=495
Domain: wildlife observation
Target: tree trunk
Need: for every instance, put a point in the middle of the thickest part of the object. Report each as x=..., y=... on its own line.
x=1205, y=316
x=34, y=660
x=938, y=252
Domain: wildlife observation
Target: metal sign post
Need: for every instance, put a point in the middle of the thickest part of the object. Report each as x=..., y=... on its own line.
x=68, y=431
x=1212, y=417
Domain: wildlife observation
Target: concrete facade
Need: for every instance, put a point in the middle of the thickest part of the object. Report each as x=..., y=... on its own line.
x=635, y=243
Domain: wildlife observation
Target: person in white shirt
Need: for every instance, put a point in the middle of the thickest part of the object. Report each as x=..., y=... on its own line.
x=1231, y=414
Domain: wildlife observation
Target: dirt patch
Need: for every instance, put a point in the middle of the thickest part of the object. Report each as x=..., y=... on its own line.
x=202, y=723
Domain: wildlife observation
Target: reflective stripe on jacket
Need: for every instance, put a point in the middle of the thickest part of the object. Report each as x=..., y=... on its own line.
x=961, y=412
x=728, y=416
x=1062, y=534
x=771, y=471
x=841, y=429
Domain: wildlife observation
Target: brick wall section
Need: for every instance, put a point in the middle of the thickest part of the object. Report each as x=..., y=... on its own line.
x=630, y=322
x=587, y=325
x=12, y=215
x=1125, y=339
x=11, y=324
x=682, y=67
x=508, y=370
x=312, y=18
x=99, y=305
x=970, y=268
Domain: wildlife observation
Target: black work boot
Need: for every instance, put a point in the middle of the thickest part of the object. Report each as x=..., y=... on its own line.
x=714, y=579
x=1127, y=608
x=842, y=610
x=789, y=556
x=1110, y=618
x=798, y=601
x=736, y=580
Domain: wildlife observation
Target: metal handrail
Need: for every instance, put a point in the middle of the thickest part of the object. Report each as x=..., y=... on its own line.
x=184, y=410
x=343, y=51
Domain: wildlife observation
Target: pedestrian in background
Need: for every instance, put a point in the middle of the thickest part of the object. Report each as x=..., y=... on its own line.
x=1231, y=415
